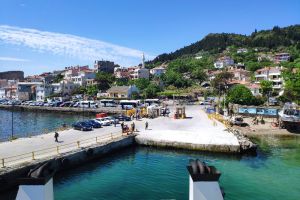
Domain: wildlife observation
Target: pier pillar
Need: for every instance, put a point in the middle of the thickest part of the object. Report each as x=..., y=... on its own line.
x=36, y=192
x=203, y=182
x=38, y=183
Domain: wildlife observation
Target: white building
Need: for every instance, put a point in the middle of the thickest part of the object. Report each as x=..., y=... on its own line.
x=242, y=50
x=272, y=74
x=42, y=92
x=140, y=73
x=82, y=76
x=2, y=93
x=64, y=87
x=122, y=91
x=254, y=88
x=157, y=71
x=223, y=62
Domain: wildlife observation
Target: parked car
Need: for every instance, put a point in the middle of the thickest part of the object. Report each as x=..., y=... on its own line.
x=94, y=123
x=104, y=122
x=122, y=118
x=205, y=103
x=75, y=105
x=112, y=120
x=83, y=126
x=39, y=103
x=236, y=120
x=65, y=104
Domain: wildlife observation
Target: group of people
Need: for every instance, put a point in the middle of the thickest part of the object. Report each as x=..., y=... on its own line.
x=124, y=127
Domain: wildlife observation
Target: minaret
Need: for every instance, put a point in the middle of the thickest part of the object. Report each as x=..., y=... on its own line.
x=143, y=61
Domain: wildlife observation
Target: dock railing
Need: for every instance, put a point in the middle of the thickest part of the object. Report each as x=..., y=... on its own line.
x=218, y=117
x=57, y=150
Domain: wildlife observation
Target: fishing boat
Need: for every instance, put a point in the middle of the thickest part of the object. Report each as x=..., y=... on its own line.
x=289, y=116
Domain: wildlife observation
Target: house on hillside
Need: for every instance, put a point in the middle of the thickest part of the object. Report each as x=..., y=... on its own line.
x=223, y=62
x=281, y=57
x=157, y=71
x=254, y=88
x=122, y=91
x=272, y=74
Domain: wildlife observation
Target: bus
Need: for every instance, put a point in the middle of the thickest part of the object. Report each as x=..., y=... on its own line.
x=129, y=104
x=149, y=102
x=108, y=103
x=87, y=104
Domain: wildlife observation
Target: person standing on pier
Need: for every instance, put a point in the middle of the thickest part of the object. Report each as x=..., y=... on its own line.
x=56, y=136
x=133, y=127
x=146, y=125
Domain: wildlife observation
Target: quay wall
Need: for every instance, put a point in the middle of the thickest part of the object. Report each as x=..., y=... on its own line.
x=110, y=110
x=188, y=146
x=9, y=176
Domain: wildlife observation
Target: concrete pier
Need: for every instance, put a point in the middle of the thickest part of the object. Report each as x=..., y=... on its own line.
x=65, y=160
x=196, y=132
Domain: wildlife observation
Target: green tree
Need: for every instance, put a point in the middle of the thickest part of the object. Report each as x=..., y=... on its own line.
x=122, y=81
x=266, y=87
x=151, y=91
x=141, y=83
x=292, y=84
x=58, y=78
x=104, y=80
x=92, y=90
x=240, y=94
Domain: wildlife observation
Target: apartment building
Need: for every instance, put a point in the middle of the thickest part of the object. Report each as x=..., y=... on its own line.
x=272, y=74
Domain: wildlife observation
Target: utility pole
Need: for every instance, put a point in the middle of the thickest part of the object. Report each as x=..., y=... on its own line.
x=12, y=114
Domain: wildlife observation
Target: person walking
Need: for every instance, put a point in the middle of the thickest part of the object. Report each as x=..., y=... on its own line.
x=146, y=125
x=115, y=122
x=122, y=126
x=56, y=136
x=133, y=127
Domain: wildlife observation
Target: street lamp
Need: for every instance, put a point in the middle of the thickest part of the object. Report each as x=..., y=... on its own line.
x=12, y=114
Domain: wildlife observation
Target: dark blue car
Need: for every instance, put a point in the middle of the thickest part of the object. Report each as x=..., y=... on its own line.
x=93, y=123
x=122, y=118
x=83, y=126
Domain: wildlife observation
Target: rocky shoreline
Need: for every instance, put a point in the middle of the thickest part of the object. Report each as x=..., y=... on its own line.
x=246, y=145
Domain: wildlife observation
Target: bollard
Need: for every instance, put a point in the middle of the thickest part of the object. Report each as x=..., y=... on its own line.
x=78, y=144
x=57, y=149
x=33, y=156
x=3, y=162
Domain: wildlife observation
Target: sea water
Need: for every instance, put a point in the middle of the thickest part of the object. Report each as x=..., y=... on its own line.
x=149, y=173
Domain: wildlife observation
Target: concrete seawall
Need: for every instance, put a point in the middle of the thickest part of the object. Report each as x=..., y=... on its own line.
x=8, y=176
x=111, y=110
x=189, y=146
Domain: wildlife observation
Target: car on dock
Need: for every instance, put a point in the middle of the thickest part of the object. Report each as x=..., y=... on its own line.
x=112, y=120
x=122, y=118
x=104, y=122
x=82, y=126
x=237, y=120
x=94, y=123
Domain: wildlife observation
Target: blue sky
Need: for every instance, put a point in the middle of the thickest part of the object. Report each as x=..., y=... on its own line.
x=44, y=35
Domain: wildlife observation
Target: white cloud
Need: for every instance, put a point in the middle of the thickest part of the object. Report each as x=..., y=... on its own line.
x=13, y=59
x=69, y=45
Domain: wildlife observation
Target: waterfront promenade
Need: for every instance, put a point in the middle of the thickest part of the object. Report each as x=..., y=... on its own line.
x=197, y=130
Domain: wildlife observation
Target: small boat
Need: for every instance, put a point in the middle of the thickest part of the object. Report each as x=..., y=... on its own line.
x=289, y=116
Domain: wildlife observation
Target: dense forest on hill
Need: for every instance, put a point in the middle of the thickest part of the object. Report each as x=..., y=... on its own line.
x=217, y=42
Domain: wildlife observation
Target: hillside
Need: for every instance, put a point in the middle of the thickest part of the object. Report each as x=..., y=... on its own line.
x=217, y=42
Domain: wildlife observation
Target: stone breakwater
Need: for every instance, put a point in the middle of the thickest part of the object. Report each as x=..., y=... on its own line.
x=110, y=110
x=246, y=145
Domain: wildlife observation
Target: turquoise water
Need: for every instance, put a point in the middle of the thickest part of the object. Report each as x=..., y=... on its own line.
x=33, y=123
x=147, y=173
